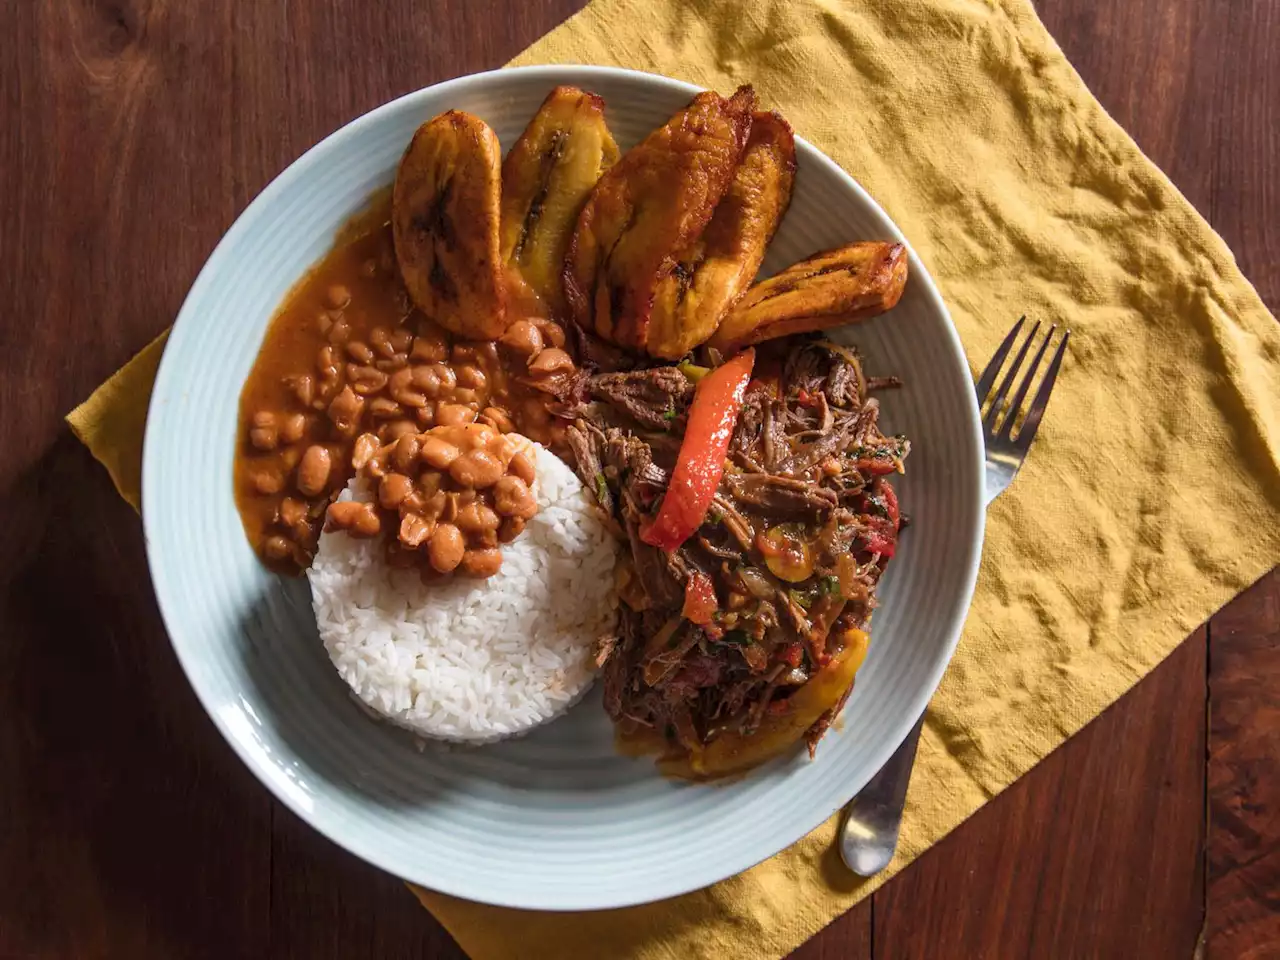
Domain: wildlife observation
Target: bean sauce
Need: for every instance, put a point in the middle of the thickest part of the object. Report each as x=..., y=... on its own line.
x=347, y=367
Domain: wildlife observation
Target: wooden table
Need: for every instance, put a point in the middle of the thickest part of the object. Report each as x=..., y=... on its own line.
x=133, y=134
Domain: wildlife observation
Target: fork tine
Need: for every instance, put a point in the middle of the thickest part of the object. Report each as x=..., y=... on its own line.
x=1016, y=403
x=998, y=401
x=993, y=368
x=1032, y=423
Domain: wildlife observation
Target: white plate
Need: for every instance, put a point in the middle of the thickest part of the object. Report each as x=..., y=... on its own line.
x=558, y=820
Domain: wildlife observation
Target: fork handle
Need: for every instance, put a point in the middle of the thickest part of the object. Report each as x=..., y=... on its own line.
x=872, y=819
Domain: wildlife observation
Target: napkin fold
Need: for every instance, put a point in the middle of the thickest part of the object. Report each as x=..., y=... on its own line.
x=1152, y=496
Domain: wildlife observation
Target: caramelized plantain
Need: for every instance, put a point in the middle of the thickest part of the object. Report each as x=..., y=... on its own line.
x=444, y=219
x=545, y=181
x=649, y=208
x=692, y=300
x=839, y=286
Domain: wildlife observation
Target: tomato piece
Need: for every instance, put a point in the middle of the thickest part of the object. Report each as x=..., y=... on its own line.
x=890, y=503
x=700, y=463
x=793, y=655
x=700, y=602
x=876, y=468
x=882, y=524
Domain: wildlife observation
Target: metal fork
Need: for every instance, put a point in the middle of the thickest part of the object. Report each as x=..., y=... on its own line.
x=869, y=828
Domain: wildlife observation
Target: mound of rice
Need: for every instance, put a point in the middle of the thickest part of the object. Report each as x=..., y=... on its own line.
x=466, y=660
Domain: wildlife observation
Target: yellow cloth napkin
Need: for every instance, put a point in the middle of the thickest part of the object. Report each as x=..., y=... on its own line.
x=1153, y=493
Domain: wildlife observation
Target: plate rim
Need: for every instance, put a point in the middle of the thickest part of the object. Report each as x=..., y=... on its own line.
x=186, y=320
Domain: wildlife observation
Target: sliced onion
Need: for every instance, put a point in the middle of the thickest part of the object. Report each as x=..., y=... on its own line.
x=756, y=583
x=847, y=576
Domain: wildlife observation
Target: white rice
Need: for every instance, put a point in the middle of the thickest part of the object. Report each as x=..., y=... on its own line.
x=466, y=660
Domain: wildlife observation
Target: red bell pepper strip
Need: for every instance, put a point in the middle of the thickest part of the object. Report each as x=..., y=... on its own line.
x=700, y=602
x=700, y=463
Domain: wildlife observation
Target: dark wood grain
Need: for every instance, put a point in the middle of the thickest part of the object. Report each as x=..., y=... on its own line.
x=133, y=134
x=847, y=938
x=1243, y=861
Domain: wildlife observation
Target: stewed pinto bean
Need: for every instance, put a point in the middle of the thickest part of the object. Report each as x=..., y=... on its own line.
x=453, y=414
x=510, y=528
x=497, y=418
x=340, y=332
x=521, y=466
x=383, y=409
x=470, y=376
x=358, y=519
x=484, y=562
x=277, y=548
x=313, y=470
x=429, y=347
x=549, y=361
x=303, y=386
x=338, y=296
x=401, y=340
x=414, y=529
x=438, y=452
x=406, y=451
x=366, y=380
x=359, y=352
x=447, y=548
x=264, y=435
x=478, y=519
x=513, y=498
x=552, y=333
x=380, y=340
x=345, y=410
x=393, y=489
x=522, y=338
x=293, y=427
x=328, y=363
x=268, y=481
x=477, y=469
x=365, y=447
x=292, y=512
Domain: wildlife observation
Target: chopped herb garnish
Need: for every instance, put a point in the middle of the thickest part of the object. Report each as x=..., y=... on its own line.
x=829, y=586
x=714, y=515
x=668, y=415
x=602, y=488
x=802, y=599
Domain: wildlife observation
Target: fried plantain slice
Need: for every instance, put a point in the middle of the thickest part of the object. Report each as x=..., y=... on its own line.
x=838, y=286
x=444, y=220
x=647, y=209
x=545, y=181
x=714, y=273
